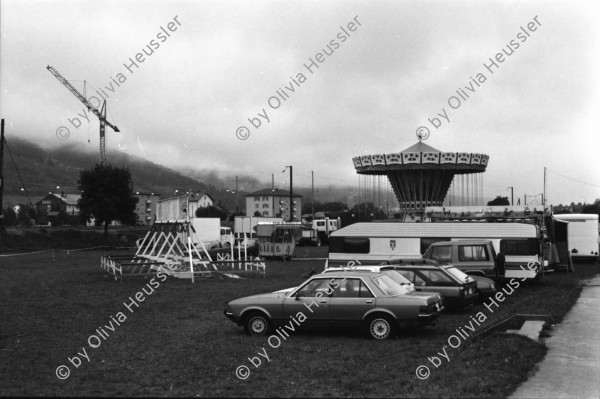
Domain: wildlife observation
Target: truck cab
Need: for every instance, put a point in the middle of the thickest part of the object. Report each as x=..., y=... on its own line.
x=324, y=227
x=226, y=235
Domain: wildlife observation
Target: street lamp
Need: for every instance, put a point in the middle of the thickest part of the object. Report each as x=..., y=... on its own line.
x=512, y=202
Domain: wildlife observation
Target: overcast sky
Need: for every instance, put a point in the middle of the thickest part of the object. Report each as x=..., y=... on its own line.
x=397, y=66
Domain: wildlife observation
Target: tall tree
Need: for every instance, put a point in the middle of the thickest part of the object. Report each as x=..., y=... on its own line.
x=592, y=208
x=107, y=196
x=499, y=201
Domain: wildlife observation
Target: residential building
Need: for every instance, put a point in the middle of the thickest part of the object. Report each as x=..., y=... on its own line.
x=176, y=208
x=274, y=203
x=58, y=208
x=146, y=207
x=205, y=201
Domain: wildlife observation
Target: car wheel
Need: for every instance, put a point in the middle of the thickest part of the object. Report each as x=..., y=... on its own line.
x=381, y=327
x=257, y=324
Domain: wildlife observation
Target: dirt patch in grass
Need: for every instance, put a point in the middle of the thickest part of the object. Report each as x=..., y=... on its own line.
x=177, y=342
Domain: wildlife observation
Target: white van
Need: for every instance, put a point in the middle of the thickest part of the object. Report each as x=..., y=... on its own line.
x=582, y=232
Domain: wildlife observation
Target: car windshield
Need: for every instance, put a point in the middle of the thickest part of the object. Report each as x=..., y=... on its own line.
x=400, y=279
x=458, y=274
x=389, y=286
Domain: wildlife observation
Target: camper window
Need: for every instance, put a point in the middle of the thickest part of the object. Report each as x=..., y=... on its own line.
x=349, y=245
x=528, y=246
x=426, y=242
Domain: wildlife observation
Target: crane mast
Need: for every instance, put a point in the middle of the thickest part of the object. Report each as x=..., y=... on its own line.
x=101, y=114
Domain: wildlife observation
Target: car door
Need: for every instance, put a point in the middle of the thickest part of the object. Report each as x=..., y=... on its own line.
x=474, y=257
x=350, y=301
x=309, y=304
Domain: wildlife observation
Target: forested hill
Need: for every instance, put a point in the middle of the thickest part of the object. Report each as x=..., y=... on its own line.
x=42, y=170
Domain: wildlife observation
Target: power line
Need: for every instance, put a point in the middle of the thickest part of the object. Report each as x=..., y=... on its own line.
x=575, y=180
x=17, y=169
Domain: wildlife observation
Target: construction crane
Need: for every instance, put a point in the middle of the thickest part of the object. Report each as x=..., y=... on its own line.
x=100, y=114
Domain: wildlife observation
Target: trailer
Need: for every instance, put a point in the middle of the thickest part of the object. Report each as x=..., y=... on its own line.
x=582, y=234
x=374, y=243
x=246, y=224
x=279, y=239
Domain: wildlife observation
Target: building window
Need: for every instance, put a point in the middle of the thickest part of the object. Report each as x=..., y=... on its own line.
x=265, y=205
x=265, y=213
x=256, y=198
x=265, y=198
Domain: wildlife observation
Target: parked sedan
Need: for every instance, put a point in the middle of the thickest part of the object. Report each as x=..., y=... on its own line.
x=486, y=286
x=371, y=301
x=456, y=287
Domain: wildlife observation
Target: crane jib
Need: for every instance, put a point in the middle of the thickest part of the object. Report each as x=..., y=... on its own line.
x=101, y=114
x=81, y=98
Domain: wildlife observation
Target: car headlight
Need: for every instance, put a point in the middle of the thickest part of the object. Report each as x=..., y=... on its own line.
x=493, y=286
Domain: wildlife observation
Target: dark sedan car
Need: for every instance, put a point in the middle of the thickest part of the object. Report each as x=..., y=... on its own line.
x=486, y=286
x=373, y=302
x=457, y=289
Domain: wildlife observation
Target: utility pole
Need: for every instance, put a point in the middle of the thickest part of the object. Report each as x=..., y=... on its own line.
x=512, y=202
x=2, y=227
x=237, y=201
x=188, y=231
x=273, y=193
x=291, y=197
x=525, y=196
x=312, y=176
x=543, y=200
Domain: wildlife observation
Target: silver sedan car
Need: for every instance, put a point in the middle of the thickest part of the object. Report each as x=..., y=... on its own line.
x=373, y=302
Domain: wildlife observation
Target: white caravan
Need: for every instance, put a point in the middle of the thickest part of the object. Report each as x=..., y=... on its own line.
x=373, y=243
x=582, y=232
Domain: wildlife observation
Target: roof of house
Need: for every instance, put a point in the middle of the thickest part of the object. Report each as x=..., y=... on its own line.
x=208, y=195
x=69, y=199
x=270, y=192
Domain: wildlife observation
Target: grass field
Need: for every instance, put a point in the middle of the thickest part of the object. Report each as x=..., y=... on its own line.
x=179, y=343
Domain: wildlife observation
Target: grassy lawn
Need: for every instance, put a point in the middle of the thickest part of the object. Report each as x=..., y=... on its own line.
x=179, y=343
